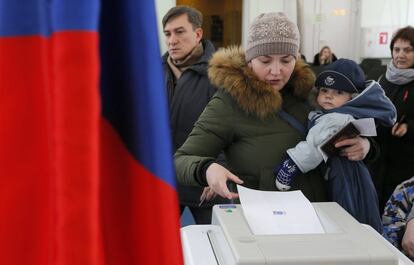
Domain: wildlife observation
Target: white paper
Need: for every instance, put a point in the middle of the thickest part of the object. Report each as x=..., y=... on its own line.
x=366, y=126
x=272, y=212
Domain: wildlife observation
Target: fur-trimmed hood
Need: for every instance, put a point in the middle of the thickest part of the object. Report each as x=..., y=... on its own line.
x=228, y=70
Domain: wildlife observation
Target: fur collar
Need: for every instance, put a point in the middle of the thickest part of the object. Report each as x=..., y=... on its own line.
x=228, y=71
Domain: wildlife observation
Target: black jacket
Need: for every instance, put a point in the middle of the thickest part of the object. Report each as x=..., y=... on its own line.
x=317, y=62
x=396, y=162
x=187, y=99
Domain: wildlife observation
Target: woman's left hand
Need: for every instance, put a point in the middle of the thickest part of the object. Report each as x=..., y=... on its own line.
x=355, y=149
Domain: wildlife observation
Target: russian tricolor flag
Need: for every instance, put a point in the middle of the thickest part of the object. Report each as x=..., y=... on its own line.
x=85, y=155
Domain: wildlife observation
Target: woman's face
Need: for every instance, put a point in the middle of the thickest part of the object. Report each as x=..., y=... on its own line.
x=403, y=54
x=274, y=69
x=326, y=53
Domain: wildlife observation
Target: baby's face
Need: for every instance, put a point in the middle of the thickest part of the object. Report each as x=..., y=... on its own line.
x=329, y=98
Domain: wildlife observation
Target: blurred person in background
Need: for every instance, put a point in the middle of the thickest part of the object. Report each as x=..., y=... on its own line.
x=324, y=57
x=396, y=162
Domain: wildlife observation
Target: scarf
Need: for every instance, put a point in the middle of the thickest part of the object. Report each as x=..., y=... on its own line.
x=399, y=76
x=178, y=67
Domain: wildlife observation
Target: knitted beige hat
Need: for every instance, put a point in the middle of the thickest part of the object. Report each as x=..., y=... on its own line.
x=272, y=33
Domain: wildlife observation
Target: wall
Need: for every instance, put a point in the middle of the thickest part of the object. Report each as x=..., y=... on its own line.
x=233, y=22
x=380, y=19
x=162, y=7
x=353, y=34
x=229, y=12
x=332, y=23
x=364, y=30
x=253, y=8
x=387, y=13
x=320, y=22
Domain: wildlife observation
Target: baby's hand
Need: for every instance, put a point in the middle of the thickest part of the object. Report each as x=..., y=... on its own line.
x=285, y=173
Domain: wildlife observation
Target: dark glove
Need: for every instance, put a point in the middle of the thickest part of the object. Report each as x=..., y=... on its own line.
x=285, y=173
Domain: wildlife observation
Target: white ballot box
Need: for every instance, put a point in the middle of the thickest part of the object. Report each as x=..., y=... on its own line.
x=230, y=241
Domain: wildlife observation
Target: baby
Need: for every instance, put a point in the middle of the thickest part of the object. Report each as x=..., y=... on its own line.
x=342, y=96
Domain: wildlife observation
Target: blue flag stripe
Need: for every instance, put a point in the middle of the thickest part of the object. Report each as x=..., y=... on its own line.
x=132, y=88
x=43, y=17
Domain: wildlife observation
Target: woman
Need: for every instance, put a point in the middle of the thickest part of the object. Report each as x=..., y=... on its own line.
x=325, y=56
x=243, y=117
x=396, y=162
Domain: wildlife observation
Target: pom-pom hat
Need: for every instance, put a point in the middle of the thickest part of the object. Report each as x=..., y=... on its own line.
x=272, y=33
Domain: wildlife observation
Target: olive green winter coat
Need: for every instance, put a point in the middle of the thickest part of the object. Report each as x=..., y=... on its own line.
x=242, y=120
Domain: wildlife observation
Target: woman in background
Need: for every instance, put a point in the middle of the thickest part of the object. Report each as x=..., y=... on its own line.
x=396, y=162
x=325, y=56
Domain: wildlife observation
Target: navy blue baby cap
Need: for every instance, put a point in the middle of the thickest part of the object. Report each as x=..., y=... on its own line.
x=343, y=74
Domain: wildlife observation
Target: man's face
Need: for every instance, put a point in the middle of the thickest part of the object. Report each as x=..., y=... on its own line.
x=180, y=37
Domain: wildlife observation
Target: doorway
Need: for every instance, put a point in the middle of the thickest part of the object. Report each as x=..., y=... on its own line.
x=222, y=20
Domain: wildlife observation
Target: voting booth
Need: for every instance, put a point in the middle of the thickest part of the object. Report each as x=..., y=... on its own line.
x=230, y=241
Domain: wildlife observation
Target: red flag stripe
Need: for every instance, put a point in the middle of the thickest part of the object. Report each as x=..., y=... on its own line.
x=140, y=211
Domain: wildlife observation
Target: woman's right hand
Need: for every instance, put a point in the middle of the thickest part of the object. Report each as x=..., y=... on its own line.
x=322, y=59
x=399, y=129
x=217, y=177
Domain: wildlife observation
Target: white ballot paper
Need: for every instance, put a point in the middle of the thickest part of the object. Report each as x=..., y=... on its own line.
x=366, y=126
x=273, y=212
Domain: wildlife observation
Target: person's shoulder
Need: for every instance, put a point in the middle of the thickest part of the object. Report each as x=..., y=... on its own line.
x=220, y=103
x=407, y=184
x=227, y=69
x=208, y=47
x=316, y=59
x=223, y=96
x=381, y=78
x=385, y=83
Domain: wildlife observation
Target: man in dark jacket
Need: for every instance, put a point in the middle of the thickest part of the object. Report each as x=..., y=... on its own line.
x=188, y=88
